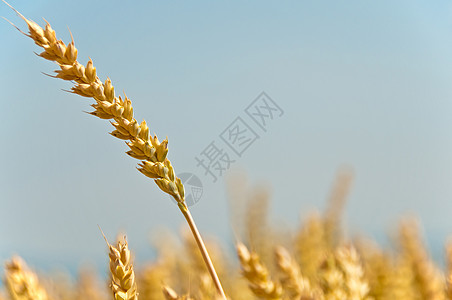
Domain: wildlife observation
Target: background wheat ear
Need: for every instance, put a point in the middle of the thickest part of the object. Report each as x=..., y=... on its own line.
x=123, y=282
x=257, y=275
x=152, y=153
x=21, y=282
x=295, y=285
x=88, y=285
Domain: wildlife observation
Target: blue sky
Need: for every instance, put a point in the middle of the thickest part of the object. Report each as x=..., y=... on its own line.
x=362, y=84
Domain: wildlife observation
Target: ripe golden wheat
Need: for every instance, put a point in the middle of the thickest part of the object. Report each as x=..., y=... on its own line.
x=123, y=282
x=314, y=262
x=354, y=270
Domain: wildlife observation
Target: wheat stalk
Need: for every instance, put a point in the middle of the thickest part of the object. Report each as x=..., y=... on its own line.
x=152, y=153
x=21, y=282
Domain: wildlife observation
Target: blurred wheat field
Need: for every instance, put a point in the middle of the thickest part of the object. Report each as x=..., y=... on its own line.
x=317, y=260
x=313, y=261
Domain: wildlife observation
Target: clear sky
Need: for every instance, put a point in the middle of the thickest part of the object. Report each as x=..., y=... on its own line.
x=365, y=84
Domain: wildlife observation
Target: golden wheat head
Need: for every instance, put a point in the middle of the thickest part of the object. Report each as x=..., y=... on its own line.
x=150, y=150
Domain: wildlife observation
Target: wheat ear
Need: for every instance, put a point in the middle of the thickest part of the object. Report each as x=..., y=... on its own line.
x=295, y=285
x=123, y=283
x=21, y=282
x=311, y=246
x=427, y=277
x=349, y=261
x=257, y=275
x=152, y=153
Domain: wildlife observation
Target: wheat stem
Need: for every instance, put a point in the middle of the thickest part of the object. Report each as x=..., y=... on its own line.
x=205, y=255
